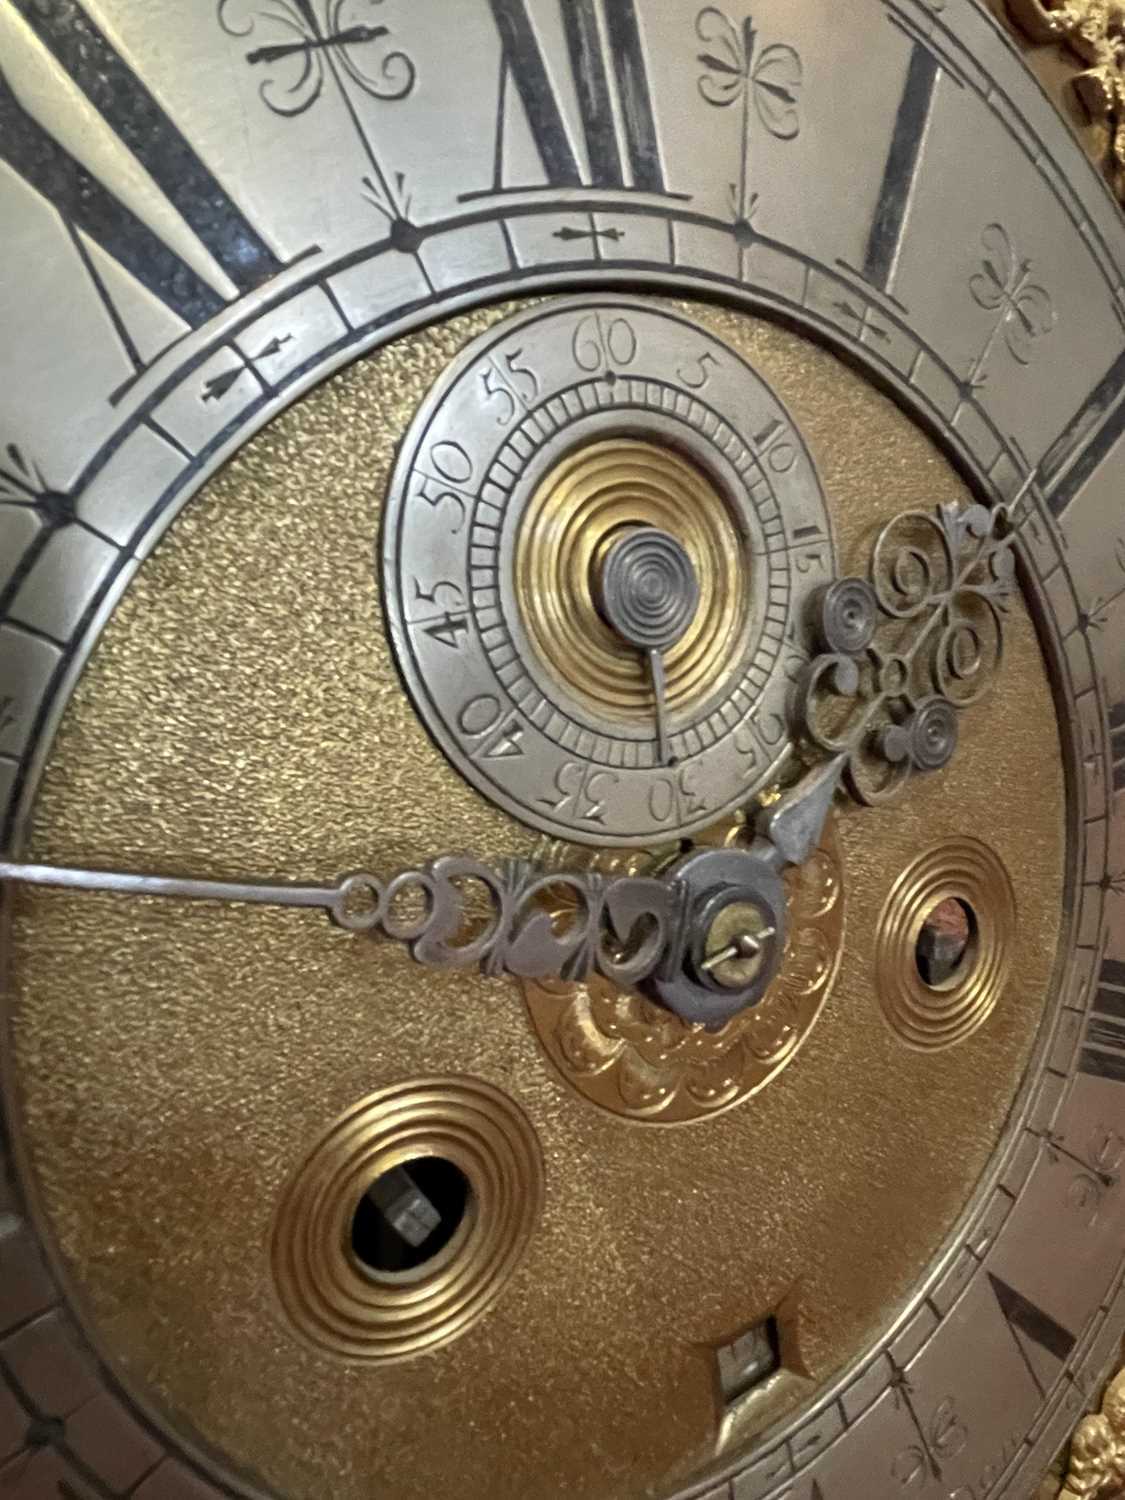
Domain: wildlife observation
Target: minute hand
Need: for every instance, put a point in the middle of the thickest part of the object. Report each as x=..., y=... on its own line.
x=426, y=909
x=637, y=931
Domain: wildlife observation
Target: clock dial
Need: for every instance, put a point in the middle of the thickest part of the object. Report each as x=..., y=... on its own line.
x=437, y=433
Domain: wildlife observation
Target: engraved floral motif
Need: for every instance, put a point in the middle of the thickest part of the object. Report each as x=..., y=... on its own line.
x=313, y=44
x=1097, y=1451
x=1094, y=30
x=736, y=71
x=332, y=42
x=638, y=1059
x=1024, y=312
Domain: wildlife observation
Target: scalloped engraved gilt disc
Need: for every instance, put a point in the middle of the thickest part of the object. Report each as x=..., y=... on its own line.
x=635, y=1058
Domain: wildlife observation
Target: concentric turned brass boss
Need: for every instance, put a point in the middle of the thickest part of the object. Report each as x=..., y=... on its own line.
x=594, y=495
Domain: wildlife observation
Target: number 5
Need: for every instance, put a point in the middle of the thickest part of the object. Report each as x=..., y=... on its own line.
x=695, y=373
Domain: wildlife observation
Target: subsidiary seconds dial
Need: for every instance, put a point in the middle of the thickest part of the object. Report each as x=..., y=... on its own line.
x=600, y=542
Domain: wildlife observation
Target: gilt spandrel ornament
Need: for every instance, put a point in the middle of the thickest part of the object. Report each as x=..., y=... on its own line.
x=1096, y=1466
x=1094, y=31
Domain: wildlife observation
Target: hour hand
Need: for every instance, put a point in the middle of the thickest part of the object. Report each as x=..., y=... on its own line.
x=907, y=649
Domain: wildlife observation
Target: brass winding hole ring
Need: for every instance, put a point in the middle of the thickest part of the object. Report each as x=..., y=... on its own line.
x=342, y=1308
x=928, y=1017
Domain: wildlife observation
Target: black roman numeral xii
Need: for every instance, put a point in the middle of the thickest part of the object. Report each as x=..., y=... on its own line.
x=621, y=145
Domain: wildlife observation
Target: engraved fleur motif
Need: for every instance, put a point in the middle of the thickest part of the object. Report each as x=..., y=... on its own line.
x=333, y=43
x=1003, y=284
x=313, y=43
x=1094, y=30
x=1023, y=311
x=737, y=71
x=733, y=68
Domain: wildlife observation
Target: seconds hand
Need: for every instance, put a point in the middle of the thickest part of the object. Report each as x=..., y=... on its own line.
x=647, y=592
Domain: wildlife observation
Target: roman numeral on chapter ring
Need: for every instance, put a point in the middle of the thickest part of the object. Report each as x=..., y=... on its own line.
x=88, y=205
x=622, y=147
x=1103, y=1051
x=1042, y=1342
x=1117, y=745
x=1085, y=440
x=908, y=138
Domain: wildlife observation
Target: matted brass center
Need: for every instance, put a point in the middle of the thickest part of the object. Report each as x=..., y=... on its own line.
x=831, y=1190
x=577, y=512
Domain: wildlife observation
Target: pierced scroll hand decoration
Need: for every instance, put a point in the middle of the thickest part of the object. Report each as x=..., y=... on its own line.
x=907, y=649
